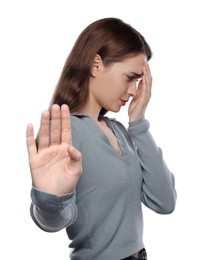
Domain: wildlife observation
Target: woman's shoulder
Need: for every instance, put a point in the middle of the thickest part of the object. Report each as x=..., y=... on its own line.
x=80, y=122
x=77, y=119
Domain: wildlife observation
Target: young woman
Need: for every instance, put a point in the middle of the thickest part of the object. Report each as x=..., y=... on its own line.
x=89, y=173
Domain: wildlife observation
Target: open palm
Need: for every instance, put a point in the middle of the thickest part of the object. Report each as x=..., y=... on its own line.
x=54, y=163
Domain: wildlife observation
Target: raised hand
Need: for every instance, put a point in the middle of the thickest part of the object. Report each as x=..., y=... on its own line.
x=140, y=101
x=55, y=164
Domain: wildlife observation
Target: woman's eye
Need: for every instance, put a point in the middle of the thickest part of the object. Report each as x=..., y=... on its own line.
x=130, y=78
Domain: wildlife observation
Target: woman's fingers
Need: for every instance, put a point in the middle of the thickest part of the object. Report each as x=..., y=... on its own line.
x=60, y=125
x=75, y=165
x=139, y=103
x=55, y=128
x=66, y=125
x=147, y=83
x=43, y=134
x=31, y=145
x=148, y=78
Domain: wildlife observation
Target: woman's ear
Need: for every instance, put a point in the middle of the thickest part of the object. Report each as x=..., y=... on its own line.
x=96, y=65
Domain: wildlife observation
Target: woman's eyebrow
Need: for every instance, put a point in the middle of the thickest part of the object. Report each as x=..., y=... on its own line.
x=137, y=75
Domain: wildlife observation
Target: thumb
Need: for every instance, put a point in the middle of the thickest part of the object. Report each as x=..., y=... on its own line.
x=75, y=155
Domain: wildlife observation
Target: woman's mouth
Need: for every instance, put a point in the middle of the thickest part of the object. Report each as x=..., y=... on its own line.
x=123, y=102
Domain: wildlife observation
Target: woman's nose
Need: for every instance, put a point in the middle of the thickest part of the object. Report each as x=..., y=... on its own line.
x=132, y=89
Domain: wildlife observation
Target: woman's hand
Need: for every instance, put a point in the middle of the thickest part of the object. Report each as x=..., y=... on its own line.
x=140, y=101
x=54, y=163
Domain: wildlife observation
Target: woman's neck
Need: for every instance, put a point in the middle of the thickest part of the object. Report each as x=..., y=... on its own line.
x=91, y=112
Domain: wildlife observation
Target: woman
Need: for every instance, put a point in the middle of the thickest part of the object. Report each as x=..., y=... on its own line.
x=90, y=174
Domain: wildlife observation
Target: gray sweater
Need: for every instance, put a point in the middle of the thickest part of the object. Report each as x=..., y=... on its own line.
x=103, y=215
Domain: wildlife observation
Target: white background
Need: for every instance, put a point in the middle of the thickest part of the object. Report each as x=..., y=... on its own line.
x=36, y=37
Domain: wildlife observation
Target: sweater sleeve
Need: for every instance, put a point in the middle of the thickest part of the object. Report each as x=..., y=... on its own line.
x=158, y=187
x=52, y=213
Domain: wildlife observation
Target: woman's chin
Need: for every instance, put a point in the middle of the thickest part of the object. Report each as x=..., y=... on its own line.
x=115, y=110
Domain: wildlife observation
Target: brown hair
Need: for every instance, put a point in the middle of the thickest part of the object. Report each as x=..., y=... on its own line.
x=110, y=38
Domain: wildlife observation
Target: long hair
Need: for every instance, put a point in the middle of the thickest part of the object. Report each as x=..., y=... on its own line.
x=110, y=38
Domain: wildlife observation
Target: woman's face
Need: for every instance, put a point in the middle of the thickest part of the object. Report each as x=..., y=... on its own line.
x=115, y=84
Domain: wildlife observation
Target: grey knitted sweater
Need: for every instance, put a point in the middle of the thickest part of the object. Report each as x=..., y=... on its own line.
x=103, y=215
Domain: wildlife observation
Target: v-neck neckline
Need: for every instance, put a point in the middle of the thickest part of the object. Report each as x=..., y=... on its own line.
x=121, y=153
x=111, y=127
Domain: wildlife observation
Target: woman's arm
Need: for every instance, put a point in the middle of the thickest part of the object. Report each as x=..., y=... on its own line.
x=55, y=167
x=158, y=187
x=52, y=213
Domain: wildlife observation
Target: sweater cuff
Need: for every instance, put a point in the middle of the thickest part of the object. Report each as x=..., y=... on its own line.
x=51, y=202
x=138, y=127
